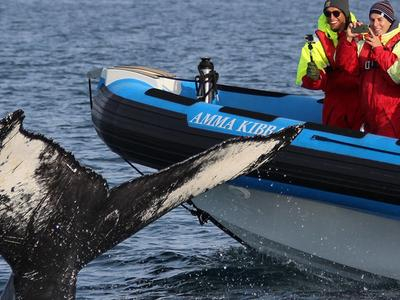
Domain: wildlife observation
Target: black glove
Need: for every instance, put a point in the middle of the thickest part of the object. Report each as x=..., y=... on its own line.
x=312, y=71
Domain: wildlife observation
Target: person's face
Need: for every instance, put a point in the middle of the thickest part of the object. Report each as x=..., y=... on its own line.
x=336, y=19
x=379, y=24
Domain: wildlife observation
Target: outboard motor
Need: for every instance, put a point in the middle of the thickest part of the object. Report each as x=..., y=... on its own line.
x=206, y=81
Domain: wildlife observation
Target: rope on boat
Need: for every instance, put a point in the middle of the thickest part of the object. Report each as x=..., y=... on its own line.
x=201, y=215
x=92, y=74
x=135, y=168
x=176, y=78
x=90, y=93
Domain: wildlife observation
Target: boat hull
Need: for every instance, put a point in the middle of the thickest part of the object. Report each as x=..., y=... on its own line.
x=154, y=136
x=305, y=231
x=145, y=134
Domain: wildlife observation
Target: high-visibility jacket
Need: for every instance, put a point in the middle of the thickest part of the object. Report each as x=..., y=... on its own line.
x=342, y=99
x=379, y=72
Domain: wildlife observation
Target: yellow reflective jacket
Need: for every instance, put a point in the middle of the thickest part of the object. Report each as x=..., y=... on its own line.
x=318, y=52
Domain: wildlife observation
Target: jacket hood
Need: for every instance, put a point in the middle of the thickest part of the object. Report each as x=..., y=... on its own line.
x=390, y=34
x=394, y=25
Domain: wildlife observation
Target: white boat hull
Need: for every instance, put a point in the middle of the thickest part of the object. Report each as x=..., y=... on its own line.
x=306, y=231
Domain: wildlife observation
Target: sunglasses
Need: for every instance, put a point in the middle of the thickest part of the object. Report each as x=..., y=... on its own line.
x=335, y=13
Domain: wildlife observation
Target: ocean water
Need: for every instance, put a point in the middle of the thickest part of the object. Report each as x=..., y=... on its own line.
x=46, y=49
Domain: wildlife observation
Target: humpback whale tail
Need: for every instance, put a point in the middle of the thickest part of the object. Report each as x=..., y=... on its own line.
x=56, y=215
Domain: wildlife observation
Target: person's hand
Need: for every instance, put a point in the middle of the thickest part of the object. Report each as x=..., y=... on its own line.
x=312, y=71
x=372, y=39
x=350, y=35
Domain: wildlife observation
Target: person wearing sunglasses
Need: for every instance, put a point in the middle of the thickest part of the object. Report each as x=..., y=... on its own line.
x=317, y=68
x=375, y=59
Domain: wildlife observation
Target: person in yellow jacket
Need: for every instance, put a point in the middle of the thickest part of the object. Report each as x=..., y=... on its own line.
x=317, y=68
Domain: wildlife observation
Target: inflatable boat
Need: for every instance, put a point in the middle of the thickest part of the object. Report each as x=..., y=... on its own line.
x=331, y=198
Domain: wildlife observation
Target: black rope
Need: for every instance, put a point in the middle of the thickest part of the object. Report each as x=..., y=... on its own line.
x=201, y=215
x=136, y=169
x=90, y=93
x=175, y=78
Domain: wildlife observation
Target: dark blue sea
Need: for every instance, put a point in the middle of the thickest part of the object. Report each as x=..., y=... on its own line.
x=46, y=49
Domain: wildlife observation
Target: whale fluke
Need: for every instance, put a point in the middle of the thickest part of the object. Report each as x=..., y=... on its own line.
x=57, y=215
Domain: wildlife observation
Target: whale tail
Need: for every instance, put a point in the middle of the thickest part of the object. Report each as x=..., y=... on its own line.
x=57, y=215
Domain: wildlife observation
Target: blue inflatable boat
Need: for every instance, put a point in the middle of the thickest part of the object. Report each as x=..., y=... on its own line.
x=332, y=197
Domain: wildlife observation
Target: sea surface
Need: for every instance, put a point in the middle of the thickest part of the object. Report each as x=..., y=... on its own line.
x=46, y=49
